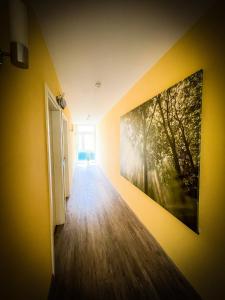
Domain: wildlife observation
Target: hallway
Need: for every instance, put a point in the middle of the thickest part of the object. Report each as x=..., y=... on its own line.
x=104, y=252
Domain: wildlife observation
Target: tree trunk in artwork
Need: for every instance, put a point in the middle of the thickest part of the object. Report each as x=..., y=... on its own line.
x=145, y=167
x=171, y=140
x=185, y=140
x=186, y=143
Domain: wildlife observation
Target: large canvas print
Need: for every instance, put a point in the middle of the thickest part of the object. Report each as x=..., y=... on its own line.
x=160, y=148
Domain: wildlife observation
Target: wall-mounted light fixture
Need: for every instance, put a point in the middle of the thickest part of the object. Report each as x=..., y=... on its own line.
x=61, y=101
x=18, y=35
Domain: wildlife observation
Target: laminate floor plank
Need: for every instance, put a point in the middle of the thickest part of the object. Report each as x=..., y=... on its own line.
x=104, y=252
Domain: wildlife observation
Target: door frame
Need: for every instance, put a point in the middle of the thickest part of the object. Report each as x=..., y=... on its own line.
x=55, y=175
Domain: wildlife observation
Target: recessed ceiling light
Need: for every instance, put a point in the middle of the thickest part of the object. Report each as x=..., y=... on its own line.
x=98, y=84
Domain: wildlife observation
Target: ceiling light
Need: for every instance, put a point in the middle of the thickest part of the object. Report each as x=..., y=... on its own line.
x=98, y=84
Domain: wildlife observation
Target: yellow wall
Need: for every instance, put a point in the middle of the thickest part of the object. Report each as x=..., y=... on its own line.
x=25, y=265
x=199, y=257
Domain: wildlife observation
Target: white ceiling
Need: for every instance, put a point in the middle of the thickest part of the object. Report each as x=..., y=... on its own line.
x=114, y=42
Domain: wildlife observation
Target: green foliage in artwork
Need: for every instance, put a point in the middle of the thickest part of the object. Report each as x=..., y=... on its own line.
x=160, y=148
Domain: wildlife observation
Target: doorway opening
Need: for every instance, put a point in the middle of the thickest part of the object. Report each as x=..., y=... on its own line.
x=58, y=170
x=86, y=143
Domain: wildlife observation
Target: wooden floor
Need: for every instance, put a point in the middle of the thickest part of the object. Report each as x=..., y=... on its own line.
x=104, y=252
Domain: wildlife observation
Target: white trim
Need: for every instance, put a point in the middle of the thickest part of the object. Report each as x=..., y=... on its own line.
x=49, y=96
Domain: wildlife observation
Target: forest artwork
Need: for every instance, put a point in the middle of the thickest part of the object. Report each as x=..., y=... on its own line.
x=160, y=148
